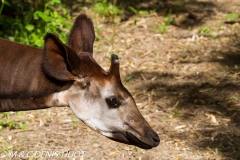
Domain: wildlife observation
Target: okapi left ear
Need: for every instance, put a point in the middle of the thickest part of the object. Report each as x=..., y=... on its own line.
x=59, y=61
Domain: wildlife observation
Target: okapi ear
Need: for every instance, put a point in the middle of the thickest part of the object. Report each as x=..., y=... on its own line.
x=82, y=35
x=59, y=61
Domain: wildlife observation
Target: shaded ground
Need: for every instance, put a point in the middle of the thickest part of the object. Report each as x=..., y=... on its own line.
x=185, y=82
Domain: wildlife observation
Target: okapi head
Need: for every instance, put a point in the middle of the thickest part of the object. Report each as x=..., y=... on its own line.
x=96, y=97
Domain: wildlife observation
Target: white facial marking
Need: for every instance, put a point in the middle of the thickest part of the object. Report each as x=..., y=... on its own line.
x=107, y=91
x=62, y=98
x=93, y=111
x=58, y=99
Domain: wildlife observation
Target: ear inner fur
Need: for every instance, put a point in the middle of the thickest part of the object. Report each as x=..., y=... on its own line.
x=82, y=35
x=59, y=61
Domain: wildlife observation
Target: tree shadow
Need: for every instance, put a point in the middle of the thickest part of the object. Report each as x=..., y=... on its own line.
x=230, y=57
x=196, y=98
x=188, y=13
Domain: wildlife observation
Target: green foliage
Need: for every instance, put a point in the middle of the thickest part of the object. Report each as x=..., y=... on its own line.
x=167, y=116
x=205, y=30
x=29, y=26
x=75, y=122
x=22, y=125
x=20, y=113
x=141, y=12
x=97, y=30
x=6, y=114
x=11, y=124
x=232, y=16
x=167, y=22
x=104, y=8
x=129, y=78
x=1, y=7
x=176, y=113
x=5, y=122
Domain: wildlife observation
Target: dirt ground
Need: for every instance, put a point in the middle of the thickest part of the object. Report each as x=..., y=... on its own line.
x=185, y=82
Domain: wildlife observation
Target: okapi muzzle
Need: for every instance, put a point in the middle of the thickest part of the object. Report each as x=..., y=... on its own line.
x=67, y=75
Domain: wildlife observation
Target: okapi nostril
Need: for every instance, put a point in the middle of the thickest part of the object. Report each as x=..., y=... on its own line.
x=156, y=139
x=154, y=136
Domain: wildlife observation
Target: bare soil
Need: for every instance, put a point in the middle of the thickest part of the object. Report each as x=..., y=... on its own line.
x=185, y=82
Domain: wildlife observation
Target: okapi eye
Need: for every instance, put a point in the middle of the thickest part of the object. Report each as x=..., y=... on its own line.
x=113, y=102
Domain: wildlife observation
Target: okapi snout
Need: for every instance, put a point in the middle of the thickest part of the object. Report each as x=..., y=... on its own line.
x=141, y=134
x=150, y=140
x=154, y=139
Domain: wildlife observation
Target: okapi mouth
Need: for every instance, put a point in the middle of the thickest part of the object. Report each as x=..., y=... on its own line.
x=137, y=142
x=129, y=138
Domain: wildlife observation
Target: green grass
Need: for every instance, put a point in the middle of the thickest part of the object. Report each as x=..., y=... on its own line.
x=168, y=20
x=129, y=78
x=12, y=124
x=107, y=9
x=176, y=113
x=232, y=16
x=141, y=12
x=6, y=122
x=75, y=122
x=167, y=116
x=205, y=30
x=97, y=31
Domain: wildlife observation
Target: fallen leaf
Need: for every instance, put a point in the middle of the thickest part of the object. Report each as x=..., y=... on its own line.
x=40, y=122
x=214, y=120
x=177, y=140
x=180, y=127
x=176, y=158
x=113, y=153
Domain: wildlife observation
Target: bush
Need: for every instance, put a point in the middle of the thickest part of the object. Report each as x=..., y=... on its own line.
x=27, y=25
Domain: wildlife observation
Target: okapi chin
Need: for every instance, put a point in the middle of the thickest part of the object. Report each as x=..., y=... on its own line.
x=67, y=75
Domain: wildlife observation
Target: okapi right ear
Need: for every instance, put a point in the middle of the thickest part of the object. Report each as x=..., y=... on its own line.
x=82, y=35
x=59, y=61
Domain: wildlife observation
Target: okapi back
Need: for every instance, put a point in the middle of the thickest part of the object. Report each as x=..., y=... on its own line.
x=21, y=72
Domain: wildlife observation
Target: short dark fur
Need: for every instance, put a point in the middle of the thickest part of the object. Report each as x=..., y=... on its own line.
x=24, y=84
x=21, y=72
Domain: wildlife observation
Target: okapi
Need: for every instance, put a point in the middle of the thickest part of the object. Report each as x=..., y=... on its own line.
x=67, y=75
